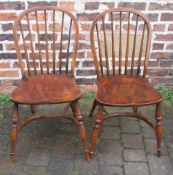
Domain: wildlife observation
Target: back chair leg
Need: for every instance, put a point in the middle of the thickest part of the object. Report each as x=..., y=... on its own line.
x=33, y=109
x=82, y=130
x=14, y=131
x=135, y=109
x=159, y=130
x=93, y=108
x=96, y=129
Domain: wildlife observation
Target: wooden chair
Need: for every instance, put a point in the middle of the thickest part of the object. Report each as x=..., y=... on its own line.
x=120, y=42
x=46, y=40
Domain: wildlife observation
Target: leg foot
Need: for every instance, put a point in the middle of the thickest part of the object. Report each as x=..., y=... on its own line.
x=12, y=156
x=159, y=131
x=96, y=129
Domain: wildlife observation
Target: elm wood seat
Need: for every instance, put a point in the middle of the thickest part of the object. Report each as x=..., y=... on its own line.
x=46, y=41
x=120, y=43
x=51, y=89
x=126, y=90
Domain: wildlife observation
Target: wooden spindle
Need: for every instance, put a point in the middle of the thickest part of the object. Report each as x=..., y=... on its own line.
x=54, y=38
x=31, y=45
x=113, y=47
x=39, y=45
x=141, y=49
x=127, y=46
x=134, y=45
x=47, y=46
x=105, y=45
x=148, y=45
x=100, y=51
x=120, y=46
x=60, y=49
x=25, y=49
x=68, y=47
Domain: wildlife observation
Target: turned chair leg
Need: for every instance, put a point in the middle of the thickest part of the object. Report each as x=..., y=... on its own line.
x=82, y=130
x=96, y=129
x=13, y=134
x=135, y=109
x=159, y=130
x=33, y=109
x=93, y=108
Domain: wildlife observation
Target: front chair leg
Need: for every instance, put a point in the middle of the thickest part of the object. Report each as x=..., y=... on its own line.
x=33, y=109
x=159, y=130
x=82, y=130
x=14, y=132
x=96, y=129
x=93, y=107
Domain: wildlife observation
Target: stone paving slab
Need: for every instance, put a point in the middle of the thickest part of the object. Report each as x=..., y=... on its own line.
x=61, y=165
x=53, y=147
x=148, y=133
x=132, y=168
x=38, y=157
x=130, y=126
x=110, y=153
x=31, y=170
x=134, y=155
x=108, y=132
x=133, y=141
x=160, y=166
x=110, y=170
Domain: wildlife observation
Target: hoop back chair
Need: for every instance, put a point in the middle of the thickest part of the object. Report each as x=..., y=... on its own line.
x=120, y=43
x=46, y=40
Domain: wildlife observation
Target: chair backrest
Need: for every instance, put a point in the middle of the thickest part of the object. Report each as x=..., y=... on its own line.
x=120, y=42
x=46, y=41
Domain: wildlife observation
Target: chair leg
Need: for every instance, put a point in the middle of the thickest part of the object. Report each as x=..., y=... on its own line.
x=82, y=130
x=96, y=129
x=158, y=130
x=93, y=108
x=14, y=132
x=135, y=109
x=33, y=109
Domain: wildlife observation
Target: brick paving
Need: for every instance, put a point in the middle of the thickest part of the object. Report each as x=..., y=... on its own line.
x=53, y=147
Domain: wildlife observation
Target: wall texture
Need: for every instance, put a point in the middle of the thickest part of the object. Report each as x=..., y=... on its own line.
x=160, y=13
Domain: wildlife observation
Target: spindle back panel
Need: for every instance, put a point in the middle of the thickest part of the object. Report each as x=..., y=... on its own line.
x=120, y=42
x=46, y=40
